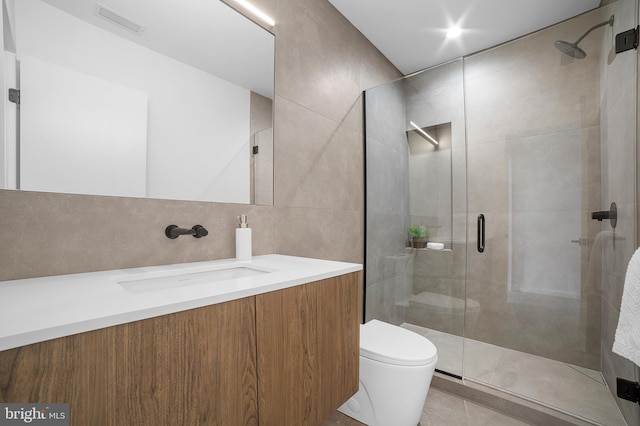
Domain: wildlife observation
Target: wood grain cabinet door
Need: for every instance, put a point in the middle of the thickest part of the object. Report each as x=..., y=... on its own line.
x=196, y=367
x=308, y=350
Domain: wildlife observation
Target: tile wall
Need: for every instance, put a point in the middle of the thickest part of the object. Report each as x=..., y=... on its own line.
x=387, y=203
x=323, y=65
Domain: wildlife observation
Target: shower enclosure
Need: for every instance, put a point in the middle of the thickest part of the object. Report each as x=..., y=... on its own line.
x=503, y=156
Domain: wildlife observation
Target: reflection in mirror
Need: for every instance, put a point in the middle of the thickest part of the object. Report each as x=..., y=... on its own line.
x=143, y=98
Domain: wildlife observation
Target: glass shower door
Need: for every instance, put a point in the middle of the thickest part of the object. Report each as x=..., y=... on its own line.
x=416, y=177
x=541, y=130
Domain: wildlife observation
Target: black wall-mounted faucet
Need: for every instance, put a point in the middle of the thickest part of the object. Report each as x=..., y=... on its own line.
x=173, y=231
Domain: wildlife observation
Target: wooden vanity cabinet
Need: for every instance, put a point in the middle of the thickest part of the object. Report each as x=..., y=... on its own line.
x=289, y=357
x=195, y=367
x=308, y=350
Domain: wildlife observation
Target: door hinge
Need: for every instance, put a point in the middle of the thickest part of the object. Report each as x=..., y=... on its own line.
x=627, y=40
x=255, y=150
x=628, y=390
x=14, y=96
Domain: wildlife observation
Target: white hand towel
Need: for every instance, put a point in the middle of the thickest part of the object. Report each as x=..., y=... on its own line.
x=627, y=340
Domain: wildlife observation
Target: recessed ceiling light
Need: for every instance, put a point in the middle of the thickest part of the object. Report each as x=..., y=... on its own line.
x=454, y=32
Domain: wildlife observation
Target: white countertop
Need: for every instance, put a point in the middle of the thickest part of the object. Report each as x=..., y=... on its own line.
x=38, y=309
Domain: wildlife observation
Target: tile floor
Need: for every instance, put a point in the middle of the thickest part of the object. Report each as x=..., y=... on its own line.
x=443, y=409
x=542, y=380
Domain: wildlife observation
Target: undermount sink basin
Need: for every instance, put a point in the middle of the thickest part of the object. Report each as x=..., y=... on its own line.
x=167, y=279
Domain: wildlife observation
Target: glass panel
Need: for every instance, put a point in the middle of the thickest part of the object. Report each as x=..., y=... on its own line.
x=416, y=178
x=540, y=132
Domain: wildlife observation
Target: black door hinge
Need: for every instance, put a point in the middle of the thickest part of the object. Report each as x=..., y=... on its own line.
x=628, y=390
x=255, y=150
x=14, y=96
x=627, y=40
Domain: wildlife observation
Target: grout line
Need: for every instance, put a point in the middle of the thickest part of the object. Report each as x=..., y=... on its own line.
x=575, y=368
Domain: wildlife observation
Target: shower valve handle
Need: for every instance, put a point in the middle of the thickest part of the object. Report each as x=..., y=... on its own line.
x=611, y=214
x=600, y=215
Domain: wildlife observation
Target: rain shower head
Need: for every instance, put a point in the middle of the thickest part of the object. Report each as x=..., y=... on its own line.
x=572, y=49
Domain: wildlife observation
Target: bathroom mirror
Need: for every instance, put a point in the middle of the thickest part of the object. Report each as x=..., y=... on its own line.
x=141, y=98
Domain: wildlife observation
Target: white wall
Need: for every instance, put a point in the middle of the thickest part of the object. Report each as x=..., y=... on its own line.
x=198, y=125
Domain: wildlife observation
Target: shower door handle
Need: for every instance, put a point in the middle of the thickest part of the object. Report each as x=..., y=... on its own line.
x=480, y=233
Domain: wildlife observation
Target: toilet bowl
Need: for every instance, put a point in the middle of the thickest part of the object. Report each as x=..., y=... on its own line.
x=396, y=368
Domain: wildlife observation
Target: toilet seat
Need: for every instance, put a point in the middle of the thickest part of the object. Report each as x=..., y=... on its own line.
x=389, y=344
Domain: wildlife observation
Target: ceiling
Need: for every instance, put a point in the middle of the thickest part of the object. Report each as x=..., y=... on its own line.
x=412, y=33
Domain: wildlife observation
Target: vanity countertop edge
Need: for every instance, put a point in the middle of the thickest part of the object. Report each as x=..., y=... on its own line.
x=33, y=310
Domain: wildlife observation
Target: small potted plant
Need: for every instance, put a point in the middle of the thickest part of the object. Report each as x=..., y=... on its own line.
x=419, y=234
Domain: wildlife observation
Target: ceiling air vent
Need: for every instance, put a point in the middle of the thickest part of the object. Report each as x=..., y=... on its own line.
x=118, y=19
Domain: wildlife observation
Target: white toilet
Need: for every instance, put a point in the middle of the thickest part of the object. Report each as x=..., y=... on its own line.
x=396, y=367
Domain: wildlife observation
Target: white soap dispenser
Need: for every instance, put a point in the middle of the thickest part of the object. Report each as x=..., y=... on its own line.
x=243, y=240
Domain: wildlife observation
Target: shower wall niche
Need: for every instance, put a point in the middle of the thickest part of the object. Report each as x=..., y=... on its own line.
x=430, y=180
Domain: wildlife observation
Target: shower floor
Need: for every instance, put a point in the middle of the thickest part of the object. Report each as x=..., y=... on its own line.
x=571, y=389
